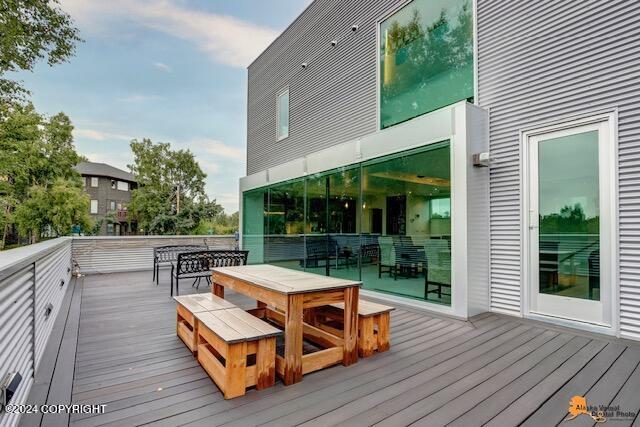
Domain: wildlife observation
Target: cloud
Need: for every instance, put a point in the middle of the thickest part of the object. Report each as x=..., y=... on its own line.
x=119, y=160
x=98, y=135
x=225, y=39
x=164, y=67
x=220, y=149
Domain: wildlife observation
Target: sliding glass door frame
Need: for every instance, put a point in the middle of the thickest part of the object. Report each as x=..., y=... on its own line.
x=574, y=311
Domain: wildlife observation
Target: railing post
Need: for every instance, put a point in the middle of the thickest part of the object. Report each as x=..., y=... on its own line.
x=33, y=320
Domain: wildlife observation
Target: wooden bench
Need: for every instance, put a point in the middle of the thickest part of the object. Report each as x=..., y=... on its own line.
x=237, y=350
x=187, y=306
x=373, y=324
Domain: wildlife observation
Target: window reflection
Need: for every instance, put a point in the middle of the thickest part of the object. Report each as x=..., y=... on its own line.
x=569, y=205
x=426, y=58
x=386, y=222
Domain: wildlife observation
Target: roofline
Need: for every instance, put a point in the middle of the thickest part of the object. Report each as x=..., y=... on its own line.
x=106, y=176
x=281, y=33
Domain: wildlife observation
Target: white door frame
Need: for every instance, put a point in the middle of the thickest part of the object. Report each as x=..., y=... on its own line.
x=608, y=174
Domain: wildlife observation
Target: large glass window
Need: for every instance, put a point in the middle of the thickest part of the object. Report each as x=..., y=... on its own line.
x=285, y=224
x=426, y=58
x=282, y=114
x=406, y=224
x=386, y=222
x=569, y=216
x=333, y=238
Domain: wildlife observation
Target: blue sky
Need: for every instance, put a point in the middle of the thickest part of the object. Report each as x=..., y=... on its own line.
x=170, y=70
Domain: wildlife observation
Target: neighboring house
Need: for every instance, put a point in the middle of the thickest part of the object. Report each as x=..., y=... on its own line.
x=109, y=189
x=462, y=156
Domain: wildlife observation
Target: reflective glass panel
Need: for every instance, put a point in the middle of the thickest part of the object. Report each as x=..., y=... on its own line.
x=285, y=224
x=569, y=216
x=426, y=58
x=406, y=225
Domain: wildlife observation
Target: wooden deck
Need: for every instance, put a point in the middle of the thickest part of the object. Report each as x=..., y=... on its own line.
x=494, y=370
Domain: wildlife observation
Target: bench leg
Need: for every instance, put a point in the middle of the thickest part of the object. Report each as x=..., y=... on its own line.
x=266, y=363
x=383, y=321
x=366, y=336
x=218, y=290
x=235, y=370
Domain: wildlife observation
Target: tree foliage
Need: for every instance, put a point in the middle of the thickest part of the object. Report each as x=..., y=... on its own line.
x=31, y=30
x=40, y=192
x=170, y=198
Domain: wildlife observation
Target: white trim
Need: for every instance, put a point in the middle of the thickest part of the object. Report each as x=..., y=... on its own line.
x=278, y=95
x=611, y=170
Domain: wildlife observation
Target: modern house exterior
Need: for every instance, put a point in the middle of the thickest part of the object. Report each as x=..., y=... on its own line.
x=458, y=155
x=109, y=190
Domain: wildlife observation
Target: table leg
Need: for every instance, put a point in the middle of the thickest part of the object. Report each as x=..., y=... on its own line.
x=218, y=290
x=350, y=326
x=293, y=340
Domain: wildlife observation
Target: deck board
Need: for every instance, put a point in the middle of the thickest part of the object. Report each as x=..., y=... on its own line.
x=493, y=370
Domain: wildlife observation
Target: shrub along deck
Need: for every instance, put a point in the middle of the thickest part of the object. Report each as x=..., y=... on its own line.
x=493, y=370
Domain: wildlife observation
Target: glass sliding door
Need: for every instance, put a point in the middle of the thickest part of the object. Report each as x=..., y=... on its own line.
x=406, y=224
x=284, y=242
x=566, y=201
x=386, y=222
x=255, y=205
x=332, y=229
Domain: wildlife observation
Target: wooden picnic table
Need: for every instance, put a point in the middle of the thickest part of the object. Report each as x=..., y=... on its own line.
x=291, y=292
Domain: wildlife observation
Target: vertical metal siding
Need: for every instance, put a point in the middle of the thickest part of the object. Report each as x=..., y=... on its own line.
x=546, y=61
x=47, y=264
x=53, y=275
x=333, y=100
x=16, y=334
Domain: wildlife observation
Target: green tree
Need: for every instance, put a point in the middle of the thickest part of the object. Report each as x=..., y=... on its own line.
x=31, y=30
x=53, y=209
x=40, y=192
x=170, y=198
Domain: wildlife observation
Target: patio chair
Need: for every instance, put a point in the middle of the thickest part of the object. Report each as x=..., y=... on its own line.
x=169, y=254
x=387, y=256
x=198, y=264
x=437, y=266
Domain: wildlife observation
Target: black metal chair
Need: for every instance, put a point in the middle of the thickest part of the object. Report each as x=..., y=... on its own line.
x=169, y=254
x=198, y=264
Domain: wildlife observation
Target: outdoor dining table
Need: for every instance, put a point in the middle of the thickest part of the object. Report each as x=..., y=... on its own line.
x=291, y=292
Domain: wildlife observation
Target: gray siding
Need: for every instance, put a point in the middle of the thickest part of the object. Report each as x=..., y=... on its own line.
x=538, y=62
x=333, y=100
x=31, y=278
x=545, y=61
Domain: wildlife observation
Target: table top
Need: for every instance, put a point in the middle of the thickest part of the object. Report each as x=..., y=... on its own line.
x=284, y=280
